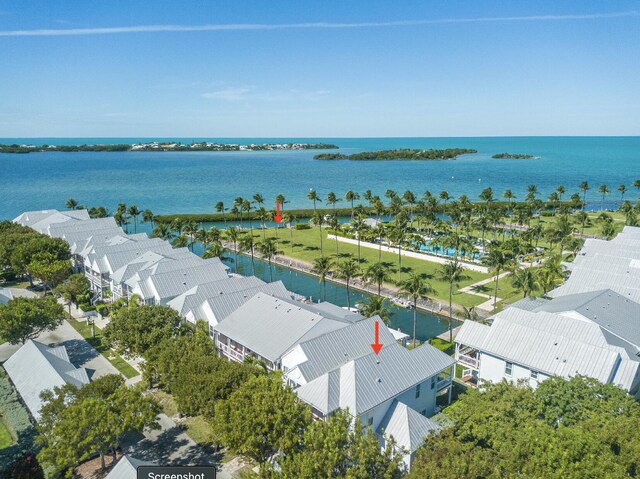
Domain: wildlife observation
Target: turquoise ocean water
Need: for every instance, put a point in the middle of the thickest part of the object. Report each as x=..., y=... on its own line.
x=175, y=182
x=194, y=182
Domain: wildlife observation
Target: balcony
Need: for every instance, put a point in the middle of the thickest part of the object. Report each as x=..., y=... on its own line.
x=468, y=357
x=231, y=353
x=443, y=383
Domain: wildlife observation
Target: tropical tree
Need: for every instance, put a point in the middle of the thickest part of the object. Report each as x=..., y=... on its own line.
x=378, y=273
x=359, y=226
x=147, y=217
x=604, y=191
x=525, y=280
x=453, y=273
x=214, y=250
x=162, y=230
x=415, y=287
x=269, y=249
x=71, y=204
x=332, y=200
x=376, y=305
x=322, y=267
x=584, y=187
x=347, y=269
x=233, y=234
x=22, y=319
x=334, y=224
x=74, y=289
x=498, y=259
x=622, y=189
x=134, y=212
x=313, y=196
x=220, y=209
x=247, y=243
x=318, y=220
x=351, y=196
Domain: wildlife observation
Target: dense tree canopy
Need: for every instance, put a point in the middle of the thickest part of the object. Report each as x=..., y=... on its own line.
x=134, y=329
x=566, y=429
x=261, y=418
x=74, y=290
x=77, y=423
x=189, y=368
x=334, y=449
x=22, y=319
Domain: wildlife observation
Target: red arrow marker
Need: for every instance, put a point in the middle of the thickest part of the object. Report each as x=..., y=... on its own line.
x=377, y=346
x=278, y=216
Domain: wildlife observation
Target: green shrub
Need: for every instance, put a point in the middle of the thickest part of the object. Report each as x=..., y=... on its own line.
x=302, y=226
x=18, y=420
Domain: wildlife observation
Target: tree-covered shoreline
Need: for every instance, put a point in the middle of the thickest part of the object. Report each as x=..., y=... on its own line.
x=399, y=154
x=165, y=146
x=513, y=156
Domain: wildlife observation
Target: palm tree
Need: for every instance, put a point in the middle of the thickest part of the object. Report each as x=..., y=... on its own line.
x=497, y=258
x=396, y=235
x=258, y=199
x=313, y=196
x=162, y=230
x=347, y=269
x=317, y=220
x=444, y=196
x=525, y=280
x=71, y=204
x=268, y=249
x=282, y=200
x=359, y=226
x=378, y=273
x=233, y=234
x=509, y=196
x=246, y=206
x=247, y=243
x=134, y=212
x=622, y=189
x=604, y=190
x=221, y=209
x=584, y=187
x=415, y=287
x=180, y=241
x=351, y=196
x=334, y=224
x=322, y=266
x=214, y=250
x=368, y=196
x=147, y=217
x=332, y=200
x=453, y=273
x=238, y=205
x=636, y=184
x=376, y=306
x=289, y=219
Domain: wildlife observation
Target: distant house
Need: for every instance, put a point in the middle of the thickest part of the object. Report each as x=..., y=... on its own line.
x=36, y=367
x=593, y=334
x=127, y=468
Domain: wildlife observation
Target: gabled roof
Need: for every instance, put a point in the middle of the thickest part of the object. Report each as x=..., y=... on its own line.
x=41, y=220
x=5, y=295
x=330, y=350
x=407, y=426
x=126, y=468
x=608, y=309
x=270, y=326
x=36, y=367
x=365, y=382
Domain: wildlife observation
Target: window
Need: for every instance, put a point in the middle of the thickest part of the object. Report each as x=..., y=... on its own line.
x=507, y=369
x=534, y=374
x=433, y=382
x=370, y=421
x=417, y=391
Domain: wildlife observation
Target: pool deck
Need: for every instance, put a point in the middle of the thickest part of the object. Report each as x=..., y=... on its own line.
x=411, y=254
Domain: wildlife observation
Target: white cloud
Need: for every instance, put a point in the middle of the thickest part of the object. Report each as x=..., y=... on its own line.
x=229, y=94
x=292, y=26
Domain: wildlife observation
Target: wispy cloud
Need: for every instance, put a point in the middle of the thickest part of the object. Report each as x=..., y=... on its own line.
x=243, y=93
x=229, y=94
x=303, y=26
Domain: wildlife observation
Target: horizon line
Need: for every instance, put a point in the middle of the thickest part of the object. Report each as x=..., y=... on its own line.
x=302, y=26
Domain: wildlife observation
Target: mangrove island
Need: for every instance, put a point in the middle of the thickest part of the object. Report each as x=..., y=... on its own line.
x=399, y=154
x=513, y=156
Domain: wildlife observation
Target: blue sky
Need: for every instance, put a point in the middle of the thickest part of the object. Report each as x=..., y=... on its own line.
x=326, y=68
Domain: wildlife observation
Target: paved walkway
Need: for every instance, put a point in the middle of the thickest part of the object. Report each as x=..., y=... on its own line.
x=410, y=254
x=471, y=289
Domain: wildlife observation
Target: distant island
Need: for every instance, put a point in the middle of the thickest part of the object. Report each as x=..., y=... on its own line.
x=515, y=156
x=167, y=146
x=399, y=154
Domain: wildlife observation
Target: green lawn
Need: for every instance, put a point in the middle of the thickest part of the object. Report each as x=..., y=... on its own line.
x=306, y=247
x=197, y=428
x=121, y=365
x=6, y=439
x=442, y=345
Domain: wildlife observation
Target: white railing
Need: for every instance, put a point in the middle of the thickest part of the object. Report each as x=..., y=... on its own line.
x=468, y=360
x=230, y=352
x=443, y=383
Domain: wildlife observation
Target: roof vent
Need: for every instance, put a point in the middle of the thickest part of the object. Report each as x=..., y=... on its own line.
x=379, y=380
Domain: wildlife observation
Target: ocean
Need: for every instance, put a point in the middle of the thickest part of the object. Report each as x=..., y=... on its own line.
x=192, y=182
